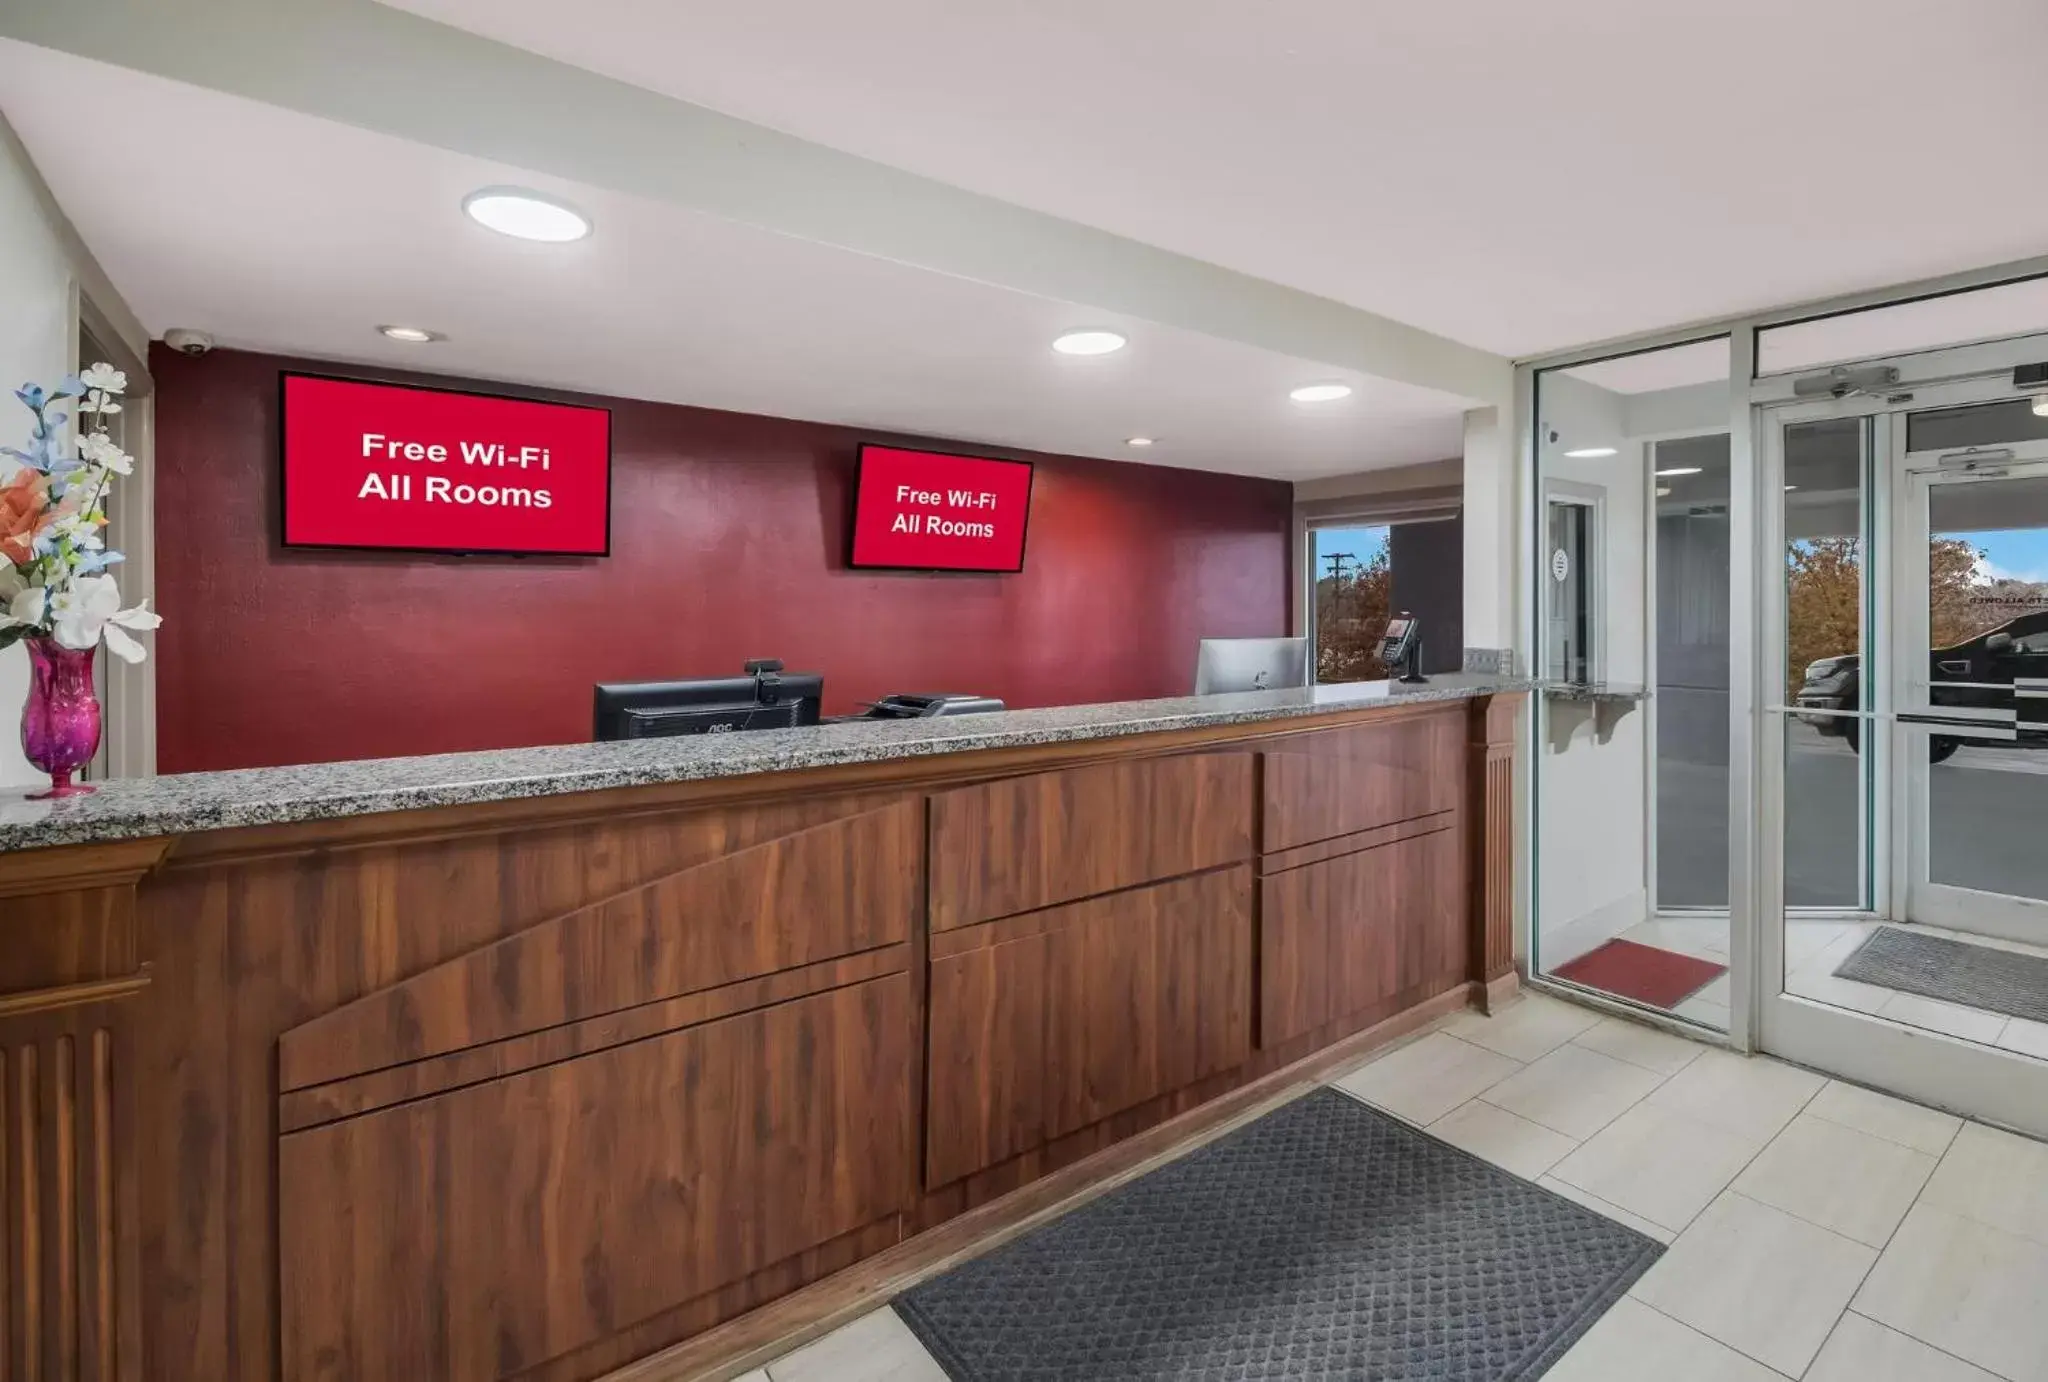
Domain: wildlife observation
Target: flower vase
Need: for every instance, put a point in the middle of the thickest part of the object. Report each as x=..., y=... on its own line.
x=60, y=725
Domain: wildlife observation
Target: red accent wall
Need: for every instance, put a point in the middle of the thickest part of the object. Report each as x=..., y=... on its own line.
x=728, y=542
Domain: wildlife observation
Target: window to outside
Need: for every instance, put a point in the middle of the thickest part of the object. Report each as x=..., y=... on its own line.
x=1568, y=594
x=1354, y=581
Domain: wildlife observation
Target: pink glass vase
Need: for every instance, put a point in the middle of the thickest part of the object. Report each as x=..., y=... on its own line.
x=60, y=725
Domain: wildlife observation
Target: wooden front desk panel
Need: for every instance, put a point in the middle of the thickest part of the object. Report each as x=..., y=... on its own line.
x=535, y=1088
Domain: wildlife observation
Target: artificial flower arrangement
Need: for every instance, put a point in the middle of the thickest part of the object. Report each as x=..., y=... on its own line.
x=54, y=580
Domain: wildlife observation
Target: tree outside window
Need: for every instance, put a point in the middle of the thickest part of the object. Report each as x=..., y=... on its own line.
x=1353, y=601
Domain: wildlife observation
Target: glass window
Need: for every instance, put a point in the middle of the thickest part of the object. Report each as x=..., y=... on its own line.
x=1691, y=621
x=1568, y=594
x=1980, y=314
x=1987, y=615
x=1828, y=750
x=1354, y=579
x=1984, y=424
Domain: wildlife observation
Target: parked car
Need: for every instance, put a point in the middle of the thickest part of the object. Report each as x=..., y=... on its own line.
x=2016, y=648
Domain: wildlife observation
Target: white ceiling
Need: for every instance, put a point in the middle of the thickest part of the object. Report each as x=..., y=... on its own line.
x=278, y=231
x=1518, y=176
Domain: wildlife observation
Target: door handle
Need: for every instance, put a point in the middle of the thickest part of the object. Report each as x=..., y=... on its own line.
x=2005, y=733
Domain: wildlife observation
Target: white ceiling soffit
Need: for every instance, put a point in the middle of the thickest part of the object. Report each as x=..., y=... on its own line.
x=384, y=69
x=277, y=231
x=1523, y=177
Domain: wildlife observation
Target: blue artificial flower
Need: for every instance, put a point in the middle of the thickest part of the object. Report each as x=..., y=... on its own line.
x=41, y=454
x=91, y=562
x=70, y=386
x=33, y=395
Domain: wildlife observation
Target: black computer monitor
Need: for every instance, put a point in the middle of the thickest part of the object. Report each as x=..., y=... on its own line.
x=765, y=698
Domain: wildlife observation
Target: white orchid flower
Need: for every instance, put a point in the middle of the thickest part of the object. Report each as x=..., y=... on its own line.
x=98, y=401
x=134, y=617
x=97, y=448
x=91, y=610
x=79, y=613
x=24, y=606
x=20, y=602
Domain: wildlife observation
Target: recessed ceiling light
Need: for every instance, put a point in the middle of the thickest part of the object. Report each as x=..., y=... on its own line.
x=1320, y=393
x=1790, y=488
x=1137, y=441
x=1089, y=343
x=2041, y=405
x=1663, y=490
x=1590, y=453
x=412, y=335
x=526, y=215
x=1674, y=470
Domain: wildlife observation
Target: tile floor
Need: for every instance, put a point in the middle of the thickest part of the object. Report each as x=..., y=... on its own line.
x=1817, y=1231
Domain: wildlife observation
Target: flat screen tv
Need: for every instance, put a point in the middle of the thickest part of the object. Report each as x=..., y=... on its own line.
x=931, y=511
x=402, y=467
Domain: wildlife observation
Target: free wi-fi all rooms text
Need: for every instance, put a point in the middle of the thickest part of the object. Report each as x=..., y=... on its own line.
x=440, y=489
x=938, y=524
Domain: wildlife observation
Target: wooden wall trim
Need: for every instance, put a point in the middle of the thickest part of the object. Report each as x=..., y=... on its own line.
x=1280, y=861
x=61, y=996
x=961, y=939
x=1493, y=723
x=65, y=868
x=299, y=1109
x=815, y=893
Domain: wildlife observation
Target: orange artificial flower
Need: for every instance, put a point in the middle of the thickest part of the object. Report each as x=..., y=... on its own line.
x=24, y=509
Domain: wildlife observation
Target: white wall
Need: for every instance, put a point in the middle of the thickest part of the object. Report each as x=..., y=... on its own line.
x=1493, y=557
x=37, y=342
x=1379, y=483
x=42, y=268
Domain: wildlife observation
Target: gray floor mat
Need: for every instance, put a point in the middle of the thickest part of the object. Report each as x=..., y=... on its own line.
x=2000, y=981
x=1324, y=1240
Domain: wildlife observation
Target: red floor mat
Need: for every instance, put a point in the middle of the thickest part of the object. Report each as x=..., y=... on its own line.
x=1661, y=978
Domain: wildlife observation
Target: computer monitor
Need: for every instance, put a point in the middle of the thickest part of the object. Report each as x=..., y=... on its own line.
x=1250, y=664
x=765, y=698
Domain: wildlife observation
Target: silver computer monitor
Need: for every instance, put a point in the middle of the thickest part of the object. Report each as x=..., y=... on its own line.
x=1250, y=664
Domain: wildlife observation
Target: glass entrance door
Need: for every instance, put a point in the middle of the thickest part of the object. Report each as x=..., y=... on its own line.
x=1971, y=685
x=1903, y=882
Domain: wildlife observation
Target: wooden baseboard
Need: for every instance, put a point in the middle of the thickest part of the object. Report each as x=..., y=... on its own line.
x=760, y=1336
x=1496, y=994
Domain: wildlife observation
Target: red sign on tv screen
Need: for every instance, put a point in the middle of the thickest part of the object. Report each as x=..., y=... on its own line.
x=924, y=511
x=387, y=465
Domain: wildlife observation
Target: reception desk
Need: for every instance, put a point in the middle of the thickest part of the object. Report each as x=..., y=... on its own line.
x=531, y=1064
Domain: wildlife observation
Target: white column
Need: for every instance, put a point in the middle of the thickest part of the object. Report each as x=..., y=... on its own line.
x=1493, y=521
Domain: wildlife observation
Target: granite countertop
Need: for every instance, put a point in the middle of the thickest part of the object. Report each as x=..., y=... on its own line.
x=1594, y=690
x=143, y=807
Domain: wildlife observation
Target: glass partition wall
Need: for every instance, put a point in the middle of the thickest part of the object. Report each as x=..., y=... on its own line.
x=1789, y=778
x=1630, y=896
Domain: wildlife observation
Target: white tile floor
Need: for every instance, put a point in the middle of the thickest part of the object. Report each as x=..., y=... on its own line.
x=1817, y=1231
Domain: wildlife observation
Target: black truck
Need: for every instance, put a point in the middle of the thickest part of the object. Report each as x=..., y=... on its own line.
x=2016, y=649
